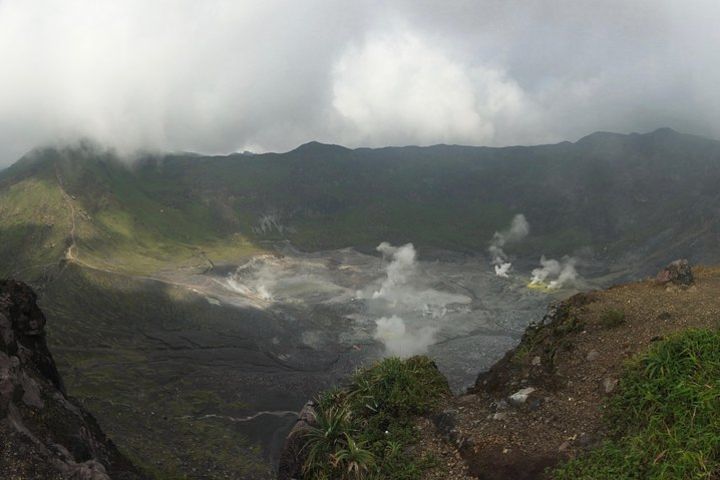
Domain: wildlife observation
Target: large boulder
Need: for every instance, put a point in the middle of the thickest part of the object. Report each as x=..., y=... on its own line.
x=678, y=272
x=43, y=432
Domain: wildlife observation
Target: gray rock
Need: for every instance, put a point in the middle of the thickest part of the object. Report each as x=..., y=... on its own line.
x=609, y=384
x=592, y=355
x=520, y=397
x=469, y=399
x=678, y=272
x=501, y=404
x=292, y=456
x=445, y=421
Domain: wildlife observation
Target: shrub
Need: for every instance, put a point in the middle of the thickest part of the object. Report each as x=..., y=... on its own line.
x=363, y=430
x=612, y=318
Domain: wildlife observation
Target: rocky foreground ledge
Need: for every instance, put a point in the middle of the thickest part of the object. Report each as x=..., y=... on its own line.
x=545, y=402
x=44, y=434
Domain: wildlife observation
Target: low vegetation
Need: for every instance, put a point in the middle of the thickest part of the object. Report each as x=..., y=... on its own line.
x=665, y=418
x=366, y=430
x=611, y=318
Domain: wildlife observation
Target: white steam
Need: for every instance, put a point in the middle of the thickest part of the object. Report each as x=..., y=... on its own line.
x=554, y=273
x=398, y=341
x=254, y=279
x=399, y=270
x=410, y=312
x=405, y=308
x=267, y=279
x=519, y=229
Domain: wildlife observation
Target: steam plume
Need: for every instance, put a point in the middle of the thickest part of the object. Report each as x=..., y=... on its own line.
x=409, y=312
x=400, y=269
x=519, y=229
x=398, y=341
x=554, y=273
x=255, y=279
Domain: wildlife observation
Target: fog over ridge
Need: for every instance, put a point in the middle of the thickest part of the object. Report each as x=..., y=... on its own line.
x=222, y=76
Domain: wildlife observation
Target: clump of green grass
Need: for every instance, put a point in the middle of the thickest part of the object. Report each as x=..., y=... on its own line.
x=665, y=418
x=363, y=430
x=611, y=318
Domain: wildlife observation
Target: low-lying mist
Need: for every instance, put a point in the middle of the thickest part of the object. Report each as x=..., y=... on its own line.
x=410, y=311
x=452, y=307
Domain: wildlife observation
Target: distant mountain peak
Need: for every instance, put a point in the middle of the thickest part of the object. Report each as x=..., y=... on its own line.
x=600, y=136
x=318, y=147
x=665, y=132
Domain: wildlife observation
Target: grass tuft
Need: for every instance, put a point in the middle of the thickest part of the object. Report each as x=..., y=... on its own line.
x=612, y=318
x=364, y=431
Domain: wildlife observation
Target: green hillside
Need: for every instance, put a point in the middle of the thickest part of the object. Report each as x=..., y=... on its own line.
x=83, y=205
x=614, y=194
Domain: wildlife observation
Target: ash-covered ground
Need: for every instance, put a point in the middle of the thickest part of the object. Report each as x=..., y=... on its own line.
x=333, y=311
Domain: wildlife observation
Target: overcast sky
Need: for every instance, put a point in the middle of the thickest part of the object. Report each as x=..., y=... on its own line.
x=222, y=76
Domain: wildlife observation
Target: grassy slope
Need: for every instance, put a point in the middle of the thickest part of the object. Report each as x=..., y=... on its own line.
x=99, y=315
x=34, y=226
x=665, y=418
x=119, y=227
x=126, y=228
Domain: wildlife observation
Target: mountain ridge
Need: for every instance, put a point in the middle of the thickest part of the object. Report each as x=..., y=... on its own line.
x=178, y=205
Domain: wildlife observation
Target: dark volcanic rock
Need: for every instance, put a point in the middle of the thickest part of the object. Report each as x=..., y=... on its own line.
x=677, y=272
x=292, y=456
x=43, y=433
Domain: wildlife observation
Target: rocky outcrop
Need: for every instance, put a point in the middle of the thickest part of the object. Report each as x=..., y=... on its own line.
x=44, y=434
x=292, y=456
x=677, y=273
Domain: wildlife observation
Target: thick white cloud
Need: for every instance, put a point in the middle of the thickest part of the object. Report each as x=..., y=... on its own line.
x=222, y=75
x=398, y=88
x=210, y=76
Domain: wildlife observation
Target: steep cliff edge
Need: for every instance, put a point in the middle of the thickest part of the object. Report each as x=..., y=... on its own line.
x=619, y=383
x=44, y=434
x=563, y=393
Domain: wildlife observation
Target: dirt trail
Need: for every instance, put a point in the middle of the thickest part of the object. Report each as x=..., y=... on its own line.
x=72, y=252
x=69, y=253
